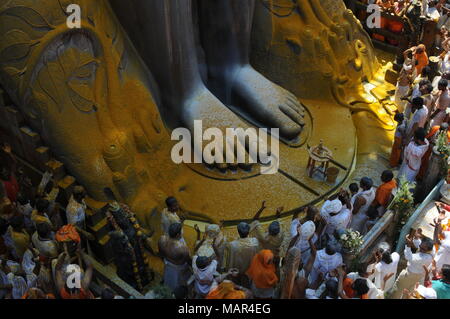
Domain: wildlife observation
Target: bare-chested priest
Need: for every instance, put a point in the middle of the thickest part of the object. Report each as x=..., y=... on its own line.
x=175, y=252
x=239, y=253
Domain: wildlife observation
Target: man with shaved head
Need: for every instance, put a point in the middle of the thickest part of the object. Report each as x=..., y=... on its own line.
x=176, y=255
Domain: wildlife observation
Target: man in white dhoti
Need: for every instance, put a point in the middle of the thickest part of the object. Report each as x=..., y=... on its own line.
x=414, y=271
x=175, y=252
x=413, y=156
x=327, y=260
x=363, y=200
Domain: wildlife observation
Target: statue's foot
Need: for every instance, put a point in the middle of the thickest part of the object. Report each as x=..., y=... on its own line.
x=266, y=103
x=205, y=107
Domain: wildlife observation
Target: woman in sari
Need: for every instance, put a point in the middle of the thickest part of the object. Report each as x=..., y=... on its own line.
x=262, y=273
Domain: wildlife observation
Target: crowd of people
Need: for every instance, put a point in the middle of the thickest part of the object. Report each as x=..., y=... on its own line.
x=42, y=244
x=257, y=264
x=397, y=17
x=435, y=10
x=422, y=115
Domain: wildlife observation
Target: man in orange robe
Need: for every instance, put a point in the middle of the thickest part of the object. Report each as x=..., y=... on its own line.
x=384, y=191
x=421, y=57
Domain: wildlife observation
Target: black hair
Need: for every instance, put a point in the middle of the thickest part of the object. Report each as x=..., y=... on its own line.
x=202, y=262
x=424, y=82
x=360, y=286
x=362, y=269
x=426, y=71
x=399, y=117
x=443, y=82
x=170, y=201
x=43, y=229
x=107, y=293
x=42, y=205
x=22, y=199
x=428, y=87
x=420, y=134
x=243, y=229
x=174, y=230
x=427, y=244
x=353, y=187
x=372, y=213
x=331, y=289
x=330, y=248
x=386, y=257
x=417, y=101
x=16, y=222
x=3, y=226
x=274, y=228
x=366, y=182
x=388, y=175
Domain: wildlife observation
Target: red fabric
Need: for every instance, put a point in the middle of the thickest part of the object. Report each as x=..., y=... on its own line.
x=82, y=294
x=422, y=58
x=349, y=292
x=11, y=188
x=396, y=152
x=395, y=26
x=262, y=270
x=383, y=193
x=67, y=233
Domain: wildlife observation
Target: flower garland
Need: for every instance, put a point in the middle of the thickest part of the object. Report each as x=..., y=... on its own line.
x=351, y=241
x=443, y=149
x=403, y=202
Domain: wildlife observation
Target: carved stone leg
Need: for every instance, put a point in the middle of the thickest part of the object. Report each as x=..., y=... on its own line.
x=165, y=40
x=74, y=88
x=226, y=40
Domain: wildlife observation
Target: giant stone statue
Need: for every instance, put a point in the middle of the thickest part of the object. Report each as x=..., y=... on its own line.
x=105, y=97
